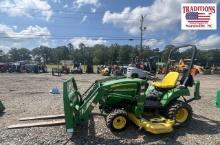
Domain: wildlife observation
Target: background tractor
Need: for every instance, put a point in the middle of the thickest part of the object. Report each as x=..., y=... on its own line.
x=156, y=107
x=106, y=71
x=77, y=68
x=89, y=69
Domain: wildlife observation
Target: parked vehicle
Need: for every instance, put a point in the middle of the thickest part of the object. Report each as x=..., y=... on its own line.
x=89, y=69
x=77, y=68
x=3, y=67
x=143, y=70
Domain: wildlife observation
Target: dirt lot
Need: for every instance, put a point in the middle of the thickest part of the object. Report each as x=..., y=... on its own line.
x=28, y=95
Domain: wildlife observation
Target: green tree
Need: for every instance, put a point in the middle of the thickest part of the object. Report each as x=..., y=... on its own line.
x=100, y=54
x=165, y=53
x=43, y=53
x=3, y=56
x=71, y=50
x=114, y=53
x=124, y=57
x=19, y=54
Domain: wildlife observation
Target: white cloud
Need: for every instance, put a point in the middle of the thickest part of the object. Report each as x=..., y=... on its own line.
x=93, y=10
x=80, y=3
x=28, y=8
x=14, y=27
x=84, y=19
x=211, y=42
x=185, y=37
x=154, y=43
x=65, y=6
x=205, y=1
x=56, y=1
x=10, y=34
x=162, y=14
x=87, y=41
x=44, y=43
x=4, y=48
x=190, y=37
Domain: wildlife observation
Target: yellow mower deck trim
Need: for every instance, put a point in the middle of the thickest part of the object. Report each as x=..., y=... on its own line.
x=156, y=125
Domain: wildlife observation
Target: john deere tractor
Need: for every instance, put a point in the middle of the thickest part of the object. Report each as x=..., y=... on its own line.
x=156, y=107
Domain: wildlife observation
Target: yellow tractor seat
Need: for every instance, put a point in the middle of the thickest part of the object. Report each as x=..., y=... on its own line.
x=168, y=82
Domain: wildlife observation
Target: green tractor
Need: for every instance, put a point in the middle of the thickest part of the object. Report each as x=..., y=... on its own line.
x=155, y=107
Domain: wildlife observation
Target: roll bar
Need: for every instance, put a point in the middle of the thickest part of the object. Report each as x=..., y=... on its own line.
x=192, y=59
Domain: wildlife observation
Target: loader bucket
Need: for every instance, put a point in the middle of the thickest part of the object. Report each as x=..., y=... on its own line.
x=77, y=107
x=71, y=103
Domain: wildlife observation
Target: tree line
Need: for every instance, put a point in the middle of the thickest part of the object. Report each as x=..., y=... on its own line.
x=102, y=54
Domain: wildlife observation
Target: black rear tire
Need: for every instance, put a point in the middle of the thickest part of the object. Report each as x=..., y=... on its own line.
x=181, y=112
x=117, y=120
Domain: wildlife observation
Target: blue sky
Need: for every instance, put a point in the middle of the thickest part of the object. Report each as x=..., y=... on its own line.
x=31, y=23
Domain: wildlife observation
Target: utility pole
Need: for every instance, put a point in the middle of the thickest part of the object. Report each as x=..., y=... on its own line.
x=142, y=29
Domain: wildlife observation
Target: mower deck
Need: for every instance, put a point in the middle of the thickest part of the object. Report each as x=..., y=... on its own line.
x=154, y=124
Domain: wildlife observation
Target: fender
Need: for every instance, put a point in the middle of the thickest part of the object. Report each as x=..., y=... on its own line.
x=173, y=94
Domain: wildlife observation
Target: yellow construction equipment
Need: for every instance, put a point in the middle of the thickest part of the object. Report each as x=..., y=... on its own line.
x=105, y=71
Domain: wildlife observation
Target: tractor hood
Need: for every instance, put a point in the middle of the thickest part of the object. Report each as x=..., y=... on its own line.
x=119, y=82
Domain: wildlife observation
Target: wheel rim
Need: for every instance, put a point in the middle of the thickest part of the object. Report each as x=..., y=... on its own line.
x=182, y=115
x=119, y=122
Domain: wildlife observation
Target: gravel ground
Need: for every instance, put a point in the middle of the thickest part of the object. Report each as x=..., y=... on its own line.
x=27, y=95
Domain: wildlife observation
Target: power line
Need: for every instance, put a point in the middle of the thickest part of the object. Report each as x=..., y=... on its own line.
x=95, y=37
x=91, y=36
x=111, y=39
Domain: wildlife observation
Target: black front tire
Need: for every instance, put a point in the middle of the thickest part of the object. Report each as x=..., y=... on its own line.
x=181, y=112
x=117, y=120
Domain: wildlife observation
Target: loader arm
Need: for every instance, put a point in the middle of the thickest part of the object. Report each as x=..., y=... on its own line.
x=77, y=107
